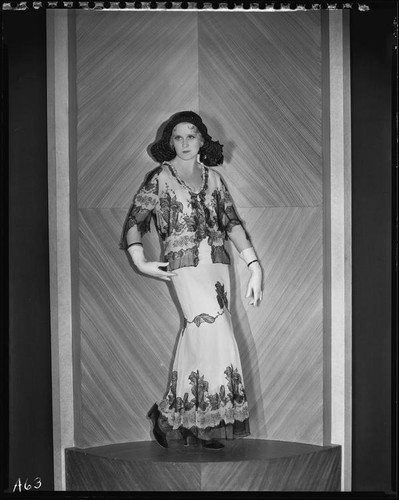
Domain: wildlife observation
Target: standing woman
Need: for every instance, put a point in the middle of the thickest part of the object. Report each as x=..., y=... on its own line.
x=194, y=214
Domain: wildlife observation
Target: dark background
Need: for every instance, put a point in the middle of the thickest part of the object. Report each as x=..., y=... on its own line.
x=373, y=180
x=26, y=360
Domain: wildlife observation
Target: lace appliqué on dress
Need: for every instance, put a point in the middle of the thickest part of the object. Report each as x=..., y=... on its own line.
x=183, y=217
x=223, y=302
x=204, y=410
x=142, y=208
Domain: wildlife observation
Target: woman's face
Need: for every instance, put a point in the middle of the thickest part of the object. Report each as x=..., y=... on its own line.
x=186, y=141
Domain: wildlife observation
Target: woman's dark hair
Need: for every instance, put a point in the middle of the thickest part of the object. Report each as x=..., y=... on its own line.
x=211, y=152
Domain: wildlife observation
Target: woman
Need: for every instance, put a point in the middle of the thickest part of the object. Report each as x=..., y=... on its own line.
x=194, y=214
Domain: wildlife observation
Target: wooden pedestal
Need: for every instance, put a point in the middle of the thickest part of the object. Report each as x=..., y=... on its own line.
x=243, y=465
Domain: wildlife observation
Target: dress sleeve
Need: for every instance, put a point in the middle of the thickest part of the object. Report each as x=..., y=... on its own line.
x=230, y=217
x=142, y=208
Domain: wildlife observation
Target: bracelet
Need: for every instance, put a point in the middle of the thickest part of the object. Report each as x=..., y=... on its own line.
x=252, y=261
x=136, y=243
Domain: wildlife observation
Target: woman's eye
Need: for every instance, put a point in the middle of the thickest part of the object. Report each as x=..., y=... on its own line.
x=191, y=136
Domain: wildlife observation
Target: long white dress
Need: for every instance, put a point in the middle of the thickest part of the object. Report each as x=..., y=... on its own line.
x=206, y=393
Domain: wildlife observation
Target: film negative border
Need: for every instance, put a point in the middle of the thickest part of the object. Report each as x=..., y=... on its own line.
x=168, y=5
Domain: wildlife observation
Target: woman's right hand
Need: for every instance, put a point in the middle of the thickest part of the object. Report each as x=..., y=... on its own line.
x=152, y=268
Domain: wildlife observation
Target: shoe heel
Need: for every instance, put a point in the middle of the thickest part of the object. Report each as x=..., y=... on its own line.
x=152, y=414
x=189, y=439
x=159, y=435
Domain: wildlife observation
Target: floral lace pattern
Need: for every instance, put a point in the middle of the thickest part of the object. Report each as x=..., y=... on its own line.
x=203, y=409
x=203, y=318
x=183, y=258
x=221, y=296
x=222, y=300
x=138, y=213
x=184, y=218
x=204, y=179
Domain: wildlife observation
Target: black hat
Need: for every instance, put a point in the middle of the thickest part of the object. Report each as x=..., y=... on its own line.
x=211, y=152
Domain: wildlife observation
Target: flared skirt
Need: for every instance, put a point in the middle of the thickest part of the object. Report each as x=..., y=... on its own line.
x=206, y=393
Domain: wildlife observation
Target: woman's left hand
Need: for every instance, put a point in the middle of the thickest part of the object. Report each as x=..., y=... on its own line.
x=254, y=289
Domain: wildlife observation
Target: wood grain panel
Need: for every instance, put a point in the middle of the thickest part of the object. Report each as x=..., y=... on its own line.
x=134, y=70
x=243, y=465
x=260, y=91
x=281, y=341
x=96, y=473
x=262, y=100
x=318, y=471
x=129, y=326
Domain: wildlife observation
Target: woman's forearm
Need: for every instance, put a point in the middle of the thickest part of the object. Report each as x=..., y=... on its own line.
x=133, y=240
x=247, y=253
x=239, y=238
x=133, y=236
x=136, y=251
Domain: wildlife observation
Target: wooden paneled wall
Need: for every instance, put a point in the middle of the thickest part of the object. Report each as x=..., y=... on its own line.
x=256, y=80
x=260, y=90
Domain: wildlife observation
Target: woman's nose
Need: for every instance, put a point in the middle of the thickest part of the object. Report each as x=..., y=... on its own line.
x=185, y=142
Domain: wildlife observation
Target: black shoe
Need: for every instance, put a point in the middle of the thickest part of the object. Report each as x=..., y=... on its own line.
x=188, y=438
x=212, y=444
x=159, y=435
